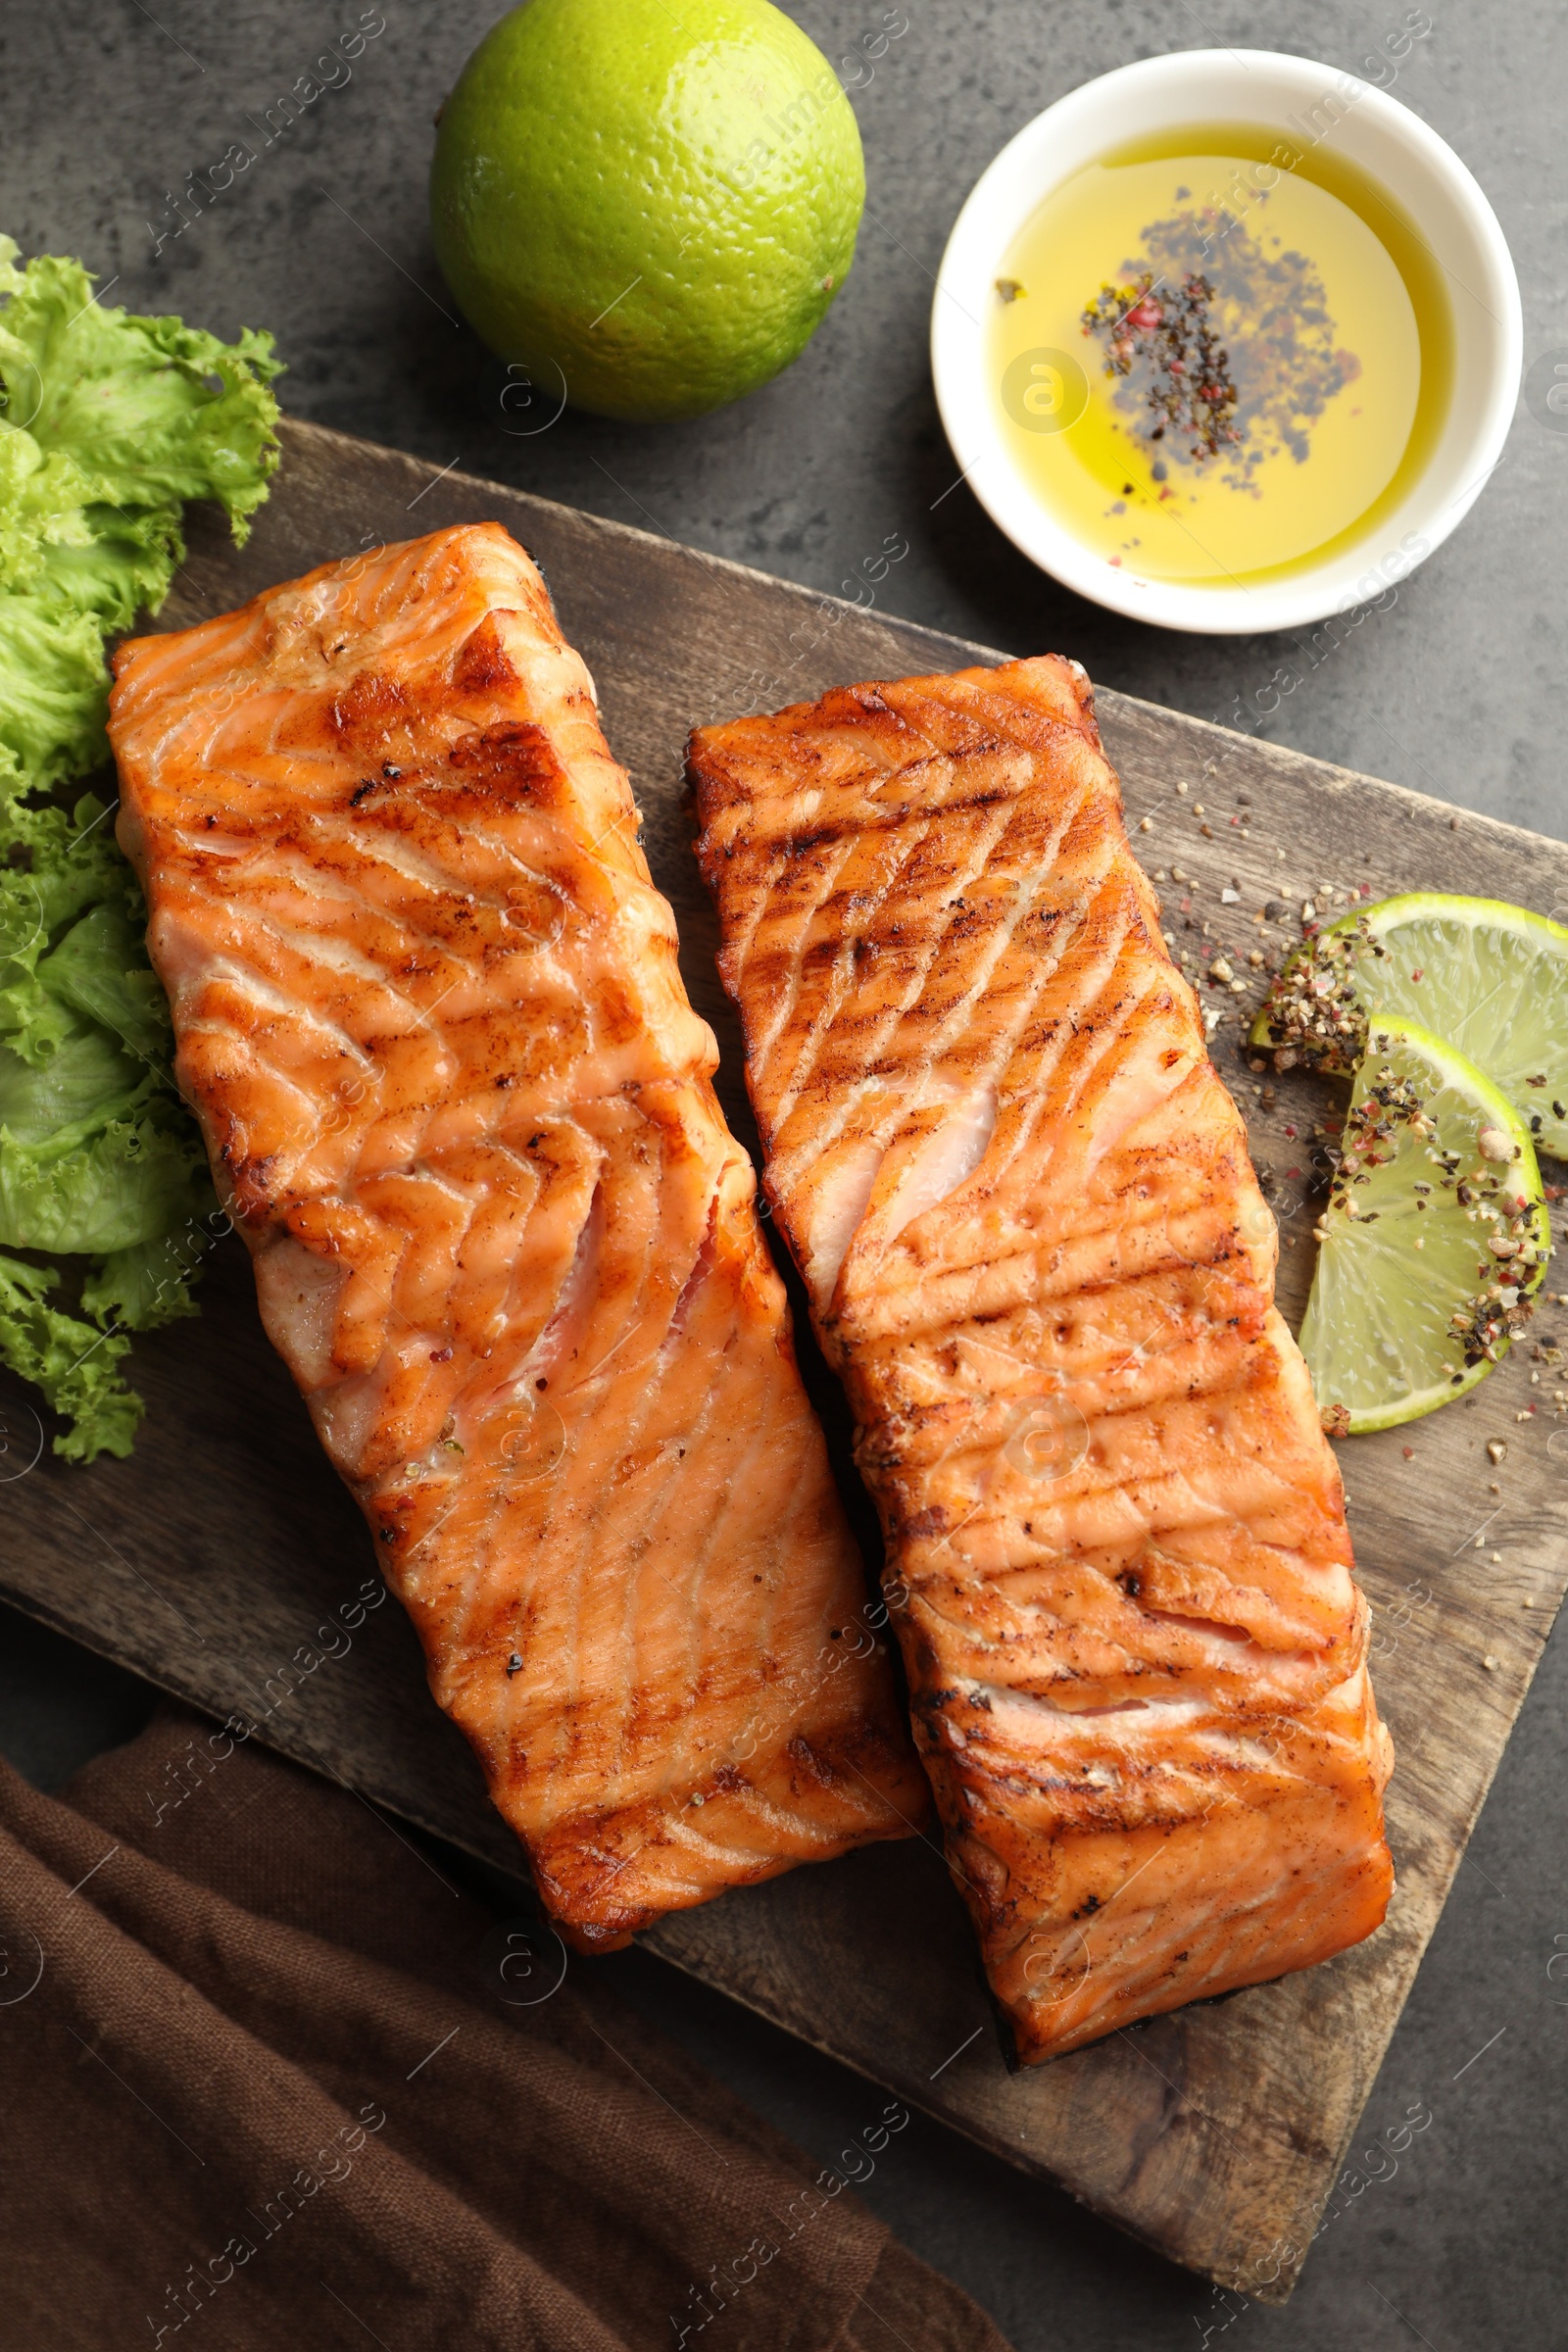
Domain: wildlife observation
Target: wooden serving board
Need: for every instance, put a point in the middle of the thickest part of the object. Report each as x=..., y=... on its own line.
x=209, y=1560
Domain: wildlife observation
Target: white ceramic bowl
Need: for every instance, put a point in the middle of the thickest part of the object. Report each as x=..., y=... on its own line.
x=1284, y=93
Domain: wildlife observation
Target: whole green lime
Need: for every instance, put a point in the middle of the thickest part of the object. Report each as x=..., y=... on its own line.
x=649, y=202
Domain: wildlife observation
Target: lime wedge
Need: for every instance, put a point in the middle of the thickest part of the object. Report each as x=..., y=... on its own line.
x=1492, y=980
x=1434, y=1238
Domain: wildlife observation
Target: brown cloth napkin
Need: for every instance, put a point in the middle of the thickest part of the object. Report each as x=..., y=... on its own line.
x=267, y=2080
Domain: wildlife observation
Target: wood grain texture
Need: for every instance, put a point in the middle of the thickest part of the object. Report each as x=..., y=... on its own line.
x=209, y=1560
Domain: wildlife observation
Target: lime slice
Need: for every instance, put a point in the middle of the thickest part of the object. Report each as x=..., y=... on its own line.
x=1433, y=1241
x=1492, y=980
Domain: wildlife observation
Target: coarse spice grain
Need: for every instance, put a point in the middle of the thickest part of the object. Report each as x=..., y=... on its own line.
x=1500, y=1308
x=1232, y=360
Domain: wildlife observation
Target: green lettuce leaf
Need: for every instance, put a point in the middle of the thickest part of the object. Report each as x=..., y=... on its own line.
x=126, y=562
x=131, y=400
x=65, y=1099
x=126, y=1185
x=59, y=864
x=141, y=1288
x=54, y=688
x=100, y=968
x=109, y=423
x=74, y=1364
x=43, y=503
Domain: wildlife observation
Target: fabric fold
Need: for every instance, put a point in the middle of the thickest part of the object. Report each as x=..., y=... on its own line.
x=270, y=2077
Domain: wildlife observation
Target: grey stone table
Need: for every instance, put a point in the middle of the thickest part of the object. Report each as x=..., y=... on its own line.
x=106, y=106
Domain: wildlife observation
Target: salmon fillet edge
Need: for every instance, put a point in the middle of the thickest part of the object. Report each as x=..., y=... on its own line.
x=1021, y=1202
x=428, y=1014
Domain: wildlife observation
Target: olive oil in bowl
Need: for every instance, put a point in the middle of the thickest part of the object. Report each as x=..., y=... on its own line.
x=1220, y=355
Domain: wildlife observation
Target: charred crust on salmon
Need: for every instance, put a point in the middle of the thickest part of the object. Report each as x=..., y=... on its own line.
x=518, y=756
x=482, y=665
x=366, y=707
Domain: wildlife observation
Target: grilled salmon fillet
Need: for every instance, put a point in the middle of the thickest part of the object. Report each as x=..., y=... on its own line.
x=1037, y=1255
x=429, y=1015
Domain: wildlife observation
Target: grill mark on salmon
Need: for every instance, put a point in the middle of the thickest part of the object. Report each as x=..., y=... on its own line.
x=1037, y=1255
x=428, y=1013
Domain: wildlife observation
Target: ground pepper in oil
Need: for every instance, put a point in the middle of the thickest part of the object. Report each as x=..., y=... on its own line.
x=1220, y=355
